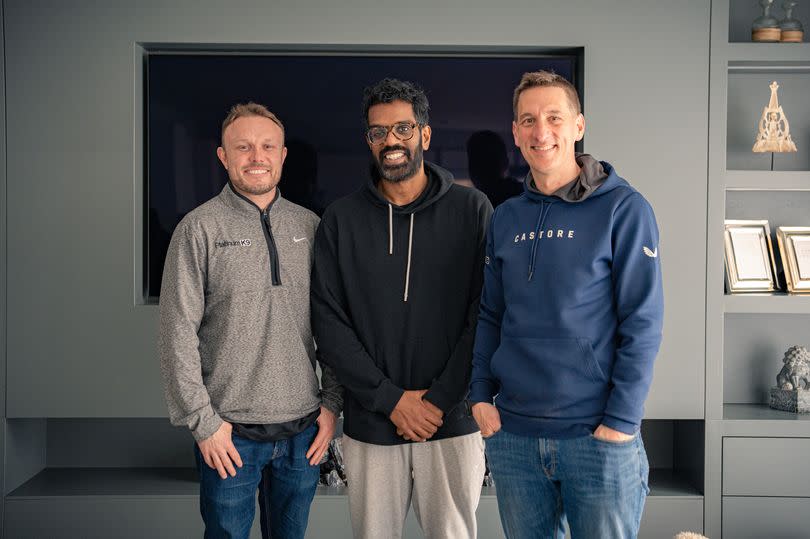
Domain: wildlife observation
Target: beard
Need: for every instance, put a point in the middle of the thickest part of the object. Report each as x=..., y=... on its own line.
x=243, y=183
x=398, y=173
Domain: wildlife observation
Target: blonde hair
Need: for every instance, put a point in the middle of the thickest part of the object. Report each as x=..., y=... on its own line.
x=240, y=110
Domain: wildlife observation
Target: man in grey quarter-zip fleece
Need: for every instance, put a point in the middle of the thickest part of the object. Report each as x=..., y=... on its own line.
x=236, y=348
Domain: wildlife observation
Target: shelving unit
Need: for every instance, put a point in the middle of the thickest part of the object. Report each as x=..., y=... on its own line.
x=748, y=333
x=779, y=303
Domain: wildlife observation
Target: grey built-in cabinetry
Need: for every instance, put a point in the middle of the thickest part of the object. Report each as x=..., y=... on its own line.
x=756, y=481
x=88, y=450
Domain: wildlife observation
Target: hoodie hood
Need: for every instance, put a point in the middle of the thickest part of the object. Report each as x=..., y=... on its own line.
x=439, y=182
x=593, y=174
x=596, y=178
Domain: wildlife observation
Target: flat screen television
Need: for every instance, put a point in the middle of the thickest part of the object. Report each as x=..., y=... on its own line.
x=317, y=95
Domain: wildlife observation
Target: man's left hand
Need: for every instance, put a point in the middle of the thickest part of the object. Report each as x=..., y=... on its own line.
x=431, y=408
x=606, y=434
x=326, y=430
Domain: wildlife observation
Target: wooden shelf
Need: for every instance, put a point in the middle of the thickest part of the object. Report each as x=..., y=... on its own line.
x=778, y=303
x=767, y=180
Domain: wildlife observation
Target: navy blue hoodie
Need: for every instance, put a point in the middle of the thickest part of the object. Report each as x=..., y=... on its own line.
x=572, y=308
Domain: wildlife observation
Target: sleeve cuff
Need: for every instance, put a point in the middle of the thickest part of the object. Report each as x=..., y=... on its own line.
x=333, y=403
x=436, y=396
x=620, y=425
x=387, y=397
x=207, y=427
x=483, y=391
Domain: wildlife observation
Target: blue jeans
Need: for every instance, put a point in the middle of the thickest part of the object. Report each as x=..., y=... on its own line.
x=280, y=472
x=598, y=487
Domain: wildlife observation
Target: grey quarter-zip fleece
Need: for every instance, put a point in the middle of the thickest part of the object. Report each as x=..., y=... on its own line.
x=235, y=339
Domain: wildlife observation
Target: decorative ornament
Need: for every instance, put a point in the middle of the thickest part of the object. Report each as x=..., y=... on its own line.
x=792, y=30
x=765, y=28
x=774, y=131
x=792, y=391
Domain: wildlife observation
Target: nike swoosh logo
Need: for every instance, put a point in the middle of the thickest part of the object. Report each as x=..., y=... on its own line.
x=651, y=254
x=296, y=240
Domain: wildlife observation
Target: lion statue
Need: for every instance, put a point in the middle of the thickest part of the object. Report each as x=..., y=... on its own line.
x=795, y=373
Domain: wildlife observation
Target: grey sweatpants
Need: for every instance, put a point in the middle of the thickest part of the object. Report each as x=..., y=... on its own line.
x=442, y=477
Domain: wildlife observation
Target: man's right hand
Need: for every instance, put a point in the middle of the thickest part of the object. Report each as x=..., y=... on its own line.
x=413, y=419
x=487, y=417
x=219, y=452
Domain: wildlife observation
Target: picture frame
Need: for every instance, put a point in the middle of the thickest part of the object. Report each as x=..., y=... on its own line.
x=750, y=264
x=794, y=247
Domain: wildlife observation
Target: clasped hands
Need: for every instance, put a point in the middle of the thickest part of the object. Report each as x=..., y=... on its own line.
x=416, y=419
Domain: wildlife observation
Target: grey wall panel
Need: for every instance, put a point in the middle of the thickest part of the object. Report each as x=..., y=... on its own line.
x=658, y=442
x=100, y=443
x=774, y=518
x=132, y=518
x=766, y=467
x=754, y=348
x=748, y=94
x=79, y=346
x=25, y=451
x=178, y=517
x=665, y=517
x=690, y=453
x=174, y=517
x=3, y=213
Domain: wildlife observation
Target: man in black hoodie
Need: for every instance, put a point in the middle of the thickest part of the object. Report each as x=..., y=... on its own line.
x=395, y=292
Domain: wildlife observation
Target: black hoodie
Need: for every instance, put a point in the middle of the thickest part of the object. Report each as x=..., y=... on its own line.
x=395, y=293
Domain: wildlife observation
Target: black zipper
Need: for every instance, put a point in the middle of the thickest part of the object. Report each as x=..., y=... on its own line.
x=267, y=228
x=275, y=272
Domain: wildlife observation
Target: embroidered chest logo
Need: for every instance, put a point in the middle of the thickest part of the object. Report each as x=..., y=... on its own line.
x=296, y=239
x=234, y=243
x=545, y=234
x=648, y=252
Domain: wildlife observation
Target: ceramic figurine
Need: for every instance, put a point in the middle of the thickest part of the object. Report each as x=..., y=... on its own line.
x=765, y=28
x=791, y=29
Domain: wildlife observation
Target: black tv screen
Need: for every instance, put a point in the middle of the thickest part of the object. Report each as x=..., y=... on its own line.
x=317, y=97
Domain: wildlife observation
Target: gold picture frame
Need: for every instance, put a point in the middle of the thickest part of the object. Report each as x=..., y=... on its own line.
x=794, y=247
x=749, y=257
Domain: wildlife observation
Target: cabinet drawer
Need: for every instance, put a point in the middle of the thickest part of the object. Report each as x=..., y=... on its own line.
x=771, y=518
x=766, y=467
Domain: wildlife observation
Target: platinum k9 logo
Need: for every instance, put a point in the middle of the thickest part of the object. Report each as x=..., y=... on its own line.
x=234, y=243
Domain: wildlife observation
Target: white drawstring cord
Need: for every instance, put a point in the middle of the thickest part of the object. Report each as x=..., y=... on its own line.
x=408, y=270
x=390, y=229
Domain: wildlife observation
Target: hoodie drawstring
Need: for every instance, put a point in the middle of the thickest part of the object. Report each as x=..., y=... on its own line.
x=391, y=247
x=408, y=270
x=390, y=229
x=541, y=218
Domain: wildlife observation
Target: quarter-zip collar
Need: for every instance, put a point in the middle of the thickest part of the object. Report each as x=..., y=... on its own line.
x=249, y=208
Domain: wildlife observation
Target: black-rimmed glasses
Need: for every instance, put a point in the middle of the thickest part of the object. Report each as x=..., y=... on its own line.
x=378, y=133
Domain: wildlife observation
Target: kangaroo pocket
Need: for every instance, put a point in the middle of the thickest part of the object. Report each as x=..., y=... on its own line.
x=549, y=378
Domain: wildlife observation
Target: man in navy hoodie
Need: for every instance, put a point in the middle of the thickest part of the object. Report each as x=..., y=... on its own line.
x=569, y=327
x=395, y=294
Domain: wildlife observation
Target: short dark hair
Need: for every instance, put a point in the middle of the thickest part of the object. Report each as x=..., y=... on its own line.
x=389, y=90
x=546, y=78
